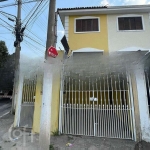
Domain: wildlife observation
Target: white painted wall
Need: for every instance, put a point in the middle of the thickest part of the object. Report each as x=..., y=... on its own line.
x=67, y=26
x=143, y=104
x=118, y=40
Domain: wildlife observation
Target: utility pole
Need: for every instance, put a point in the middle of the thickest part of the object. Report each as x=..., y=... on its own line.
x=49, y=71
x=17, y=54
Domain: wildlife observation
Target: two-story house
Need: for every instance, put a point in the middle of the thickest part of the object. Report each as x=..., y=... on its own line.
x=104, y=86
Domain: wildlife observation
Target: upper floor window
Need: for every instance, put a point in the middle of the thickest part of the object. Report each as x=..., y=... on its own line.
x=130, y=23
x=87, y=25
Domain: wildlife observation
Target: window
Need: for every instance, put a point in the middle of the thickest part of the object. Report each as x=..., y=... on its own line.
x=87, y=25
x=130, y=23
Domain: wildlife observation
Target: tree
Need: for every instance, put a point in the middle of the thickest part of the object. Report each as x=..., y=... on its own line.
x=3, y=53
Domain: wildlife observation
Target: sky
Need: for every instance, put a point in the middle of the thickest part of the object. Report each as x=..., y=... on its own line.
x=35, y=34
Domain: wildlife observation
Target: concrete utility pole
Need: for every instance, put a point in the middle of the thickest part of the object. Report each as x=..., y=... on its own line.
x=17, y=54
x=49, y=70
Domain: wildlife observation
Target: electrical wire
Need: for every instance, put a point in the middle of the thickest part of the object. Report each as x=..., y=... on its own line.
x=8, y=5
x=33, y=13
x=34, y=41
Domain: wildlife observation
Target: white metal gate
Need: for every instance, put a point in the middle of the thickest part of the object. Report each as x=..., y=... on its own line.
x=97, y=105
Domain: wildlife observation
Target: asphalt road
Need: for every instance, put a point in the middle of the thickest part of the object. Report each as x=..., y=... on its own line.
x=5, y=106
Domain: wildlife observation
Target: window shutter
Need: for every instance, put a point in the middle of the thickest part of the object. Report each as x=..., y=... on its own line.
x=126, y=24
x=89, y=25
x=78, y=25
x=132, y=23
x=95, y=25
x=121, y=23
x=138, y=23
x=84, y=26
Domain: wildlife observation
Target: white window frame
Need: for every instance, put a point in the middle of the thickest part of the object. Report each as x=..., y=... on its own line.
x=87, y=17
x=130, y=15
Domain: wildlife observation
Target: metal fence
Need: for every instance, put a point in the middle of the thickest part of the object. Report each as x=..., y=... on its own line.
x=98, y=105
x=29, y=89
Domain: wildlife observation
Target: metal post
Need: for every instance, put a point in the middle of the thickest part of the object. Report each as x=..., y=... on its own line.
x=50, y=63
x=17, y=58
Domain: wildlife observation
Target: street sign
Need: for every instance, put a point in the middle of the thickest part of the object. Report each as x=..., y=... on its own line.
x=52, y=52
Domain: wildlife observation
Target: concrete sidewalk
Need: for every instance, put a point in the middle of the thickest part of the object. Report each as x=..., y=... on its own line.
x=18, y=139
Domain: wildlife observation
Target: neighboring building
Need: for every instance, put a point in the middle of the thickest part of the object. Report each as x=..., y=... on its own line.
x=104, y=89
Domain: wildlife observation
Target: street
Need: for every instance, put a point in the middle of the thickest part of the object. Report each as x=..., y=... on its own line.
x=5, y=106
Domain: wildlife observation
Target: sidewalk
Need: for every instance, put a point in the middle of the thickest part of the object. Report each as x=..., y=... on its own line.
x=17, y=139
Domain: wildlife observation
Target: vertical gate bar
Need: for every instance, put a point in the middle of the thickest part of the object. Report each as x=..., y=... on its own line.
x=82, y=111
x=104, y=92
x=102, y=116
x=67, y=119
x=108, y=123
x=148, y=84
x=125, y=101
x=112, y=90
x=97, y=109
x=99, y=120
x=120, y=90
x=65, y=114
x=79, y=115
x=108, y=90
x=91, y=120
x=27, y=91
x=32, y=90
x=111, y=122
x=93, y=116
x=116, y=119
x=86, y=129
x=89, y=109
x=22, y=92
x=119, y=121
x=72, y=108
x=75, y=110
x=69, y=114
x=132, y=108
x=61, y=111
x=77, y=119
x=128, y=124
x=116, y=92
x=123, y=125
x=121, y=103
x=104, y=120
x=69, y=91
x=26, y=95
x=101, y=111
x=97, y=92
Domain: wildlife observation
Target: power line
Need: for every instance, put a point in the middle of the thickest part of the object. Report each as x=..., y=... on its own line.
x=34, y=41
x=8, y=5
x=7, y=23
x=33, y=13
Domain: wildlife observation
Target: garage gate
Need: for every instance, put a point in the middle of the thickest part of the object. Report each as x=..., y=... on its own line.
x=97, y=104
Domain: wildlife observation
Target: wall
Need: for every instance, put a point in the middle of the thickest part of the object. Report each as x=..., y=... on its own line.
x=122, y=39
x=55, y=100
x=143, y=104
x=97, y=40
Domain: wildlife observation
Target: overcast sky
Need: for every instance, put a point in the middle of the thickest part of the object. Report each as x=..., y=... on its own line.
x=36, y=31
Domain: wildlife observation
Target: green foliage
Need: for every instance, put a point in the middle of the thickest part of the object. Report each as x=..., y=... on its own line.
x=55, y=132
x=51, y=147
x=3, y=53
